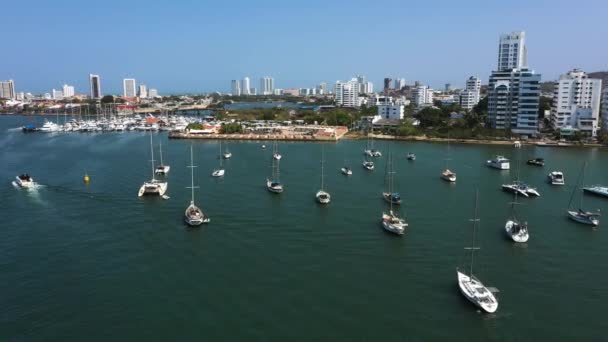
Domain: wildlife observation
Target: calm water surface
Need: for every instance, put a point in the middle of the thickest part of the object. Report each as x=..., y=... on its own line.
x=95, y=263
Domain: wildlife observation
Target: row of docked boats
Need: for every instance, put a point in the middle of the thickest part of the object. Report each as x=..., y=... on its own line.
x=113, y=124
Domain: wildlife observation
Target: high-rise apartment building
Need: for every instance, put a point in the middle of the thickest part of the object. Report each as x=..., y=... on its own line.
x=347, y=93
x=95, y=84
x=576, y=103
x=7, y=89
x=421, y=95
x=68, y=90
x=470, y=96
x=246, y=86
x=57, y=94
x=236, y=87
x=322, y=89
x=267, y=85
x=387, y=84
x=399, y=83
x=513, y=89
x=129, y=88
x=512, y=52
x=143, y=91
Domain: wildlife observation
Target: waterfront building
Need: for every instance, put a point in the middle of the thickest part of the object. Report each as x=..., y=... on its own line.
x=7, y=89
x=143, y=91
x=20, y=96
x=512, y=51
x=304, y=92
x=391, y=111
x=129, y=88
x=68, y=90
x=347, y=93
x=267, y=85
x=421, y=95
x=605, y=111
x=246, y=86
x=95, y=85
x=513, y=89
x=470, y=96
x=47, y=96
x=57, y=94
x=291, y=91
x=236, y=88
x=576, y=103
x=152, y=93
x=253, y=91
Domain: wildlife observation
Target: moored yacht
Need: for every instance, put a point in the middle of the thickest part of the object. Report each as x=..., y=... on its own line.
x=556, y=178
x=154, y=186
x=448, y=175
x=393, y=223
x=273, y=184
x=579, y=214
x=536, y=162
x=368, y=165
x=411, y=156
x=499, y=162
x=161, y=169
x=347, y=171
x=24, y=181
x=517, y=231
x=520, y=188
x=219, y=172
x=323, y=196
x=193, y=215
x=597, y=190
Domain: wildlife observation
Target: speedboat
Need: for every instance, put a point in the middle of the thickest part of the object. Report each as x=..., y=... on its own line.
x=411, y=156
x=347, y=171
x=586, y=217
x=153, y=187
x=393, y=198
x=194, y=216
x=29, y=128
x=517, y=231
x=556, y=178
x=393, y=223
x=476, y=292
x=536, y=162
x=24, y=181
x=323, y=197
x=597, y=190
x=275, y=187
x=162, y=169
x=499, y=162
x=448, y=175
x=218, y=173
x=368, y=165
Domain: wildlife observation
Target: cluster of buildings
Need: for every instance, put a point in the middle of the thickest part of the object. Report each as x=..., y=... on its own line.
x=244, y=87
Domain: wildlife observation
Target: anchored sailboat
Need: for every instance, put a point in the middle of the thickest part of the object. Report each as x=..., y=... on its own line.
x=273, y=184
x=369, y=150
x=193, y=215
x=161, y=169
x=154, y=186
x=219, y=172
x=447, y=174
x=579, y=214
x=389, y=195
x=391, y=221
x=471, y=287
x=323, y=196
x=275, y=154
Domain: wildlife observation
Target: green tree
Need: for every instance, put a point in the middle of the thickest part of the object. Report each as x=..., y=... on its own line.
x=107, y=99
x=433, y=117
x=544, y=104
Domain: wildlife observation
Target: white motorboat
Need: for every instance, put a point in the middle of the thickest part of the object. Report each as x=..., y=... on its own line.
x=154, y=186
x=471, y=287
x=263, y=147
x=193, y=215
x=50, y=126
x=597, y=190
x=448, y=175
x=499, y=162
x=24, y=181
x=273, y=184
x=556, y=178
x=368, y=165
x=411, y=156
x=393, y=223
x=579, y=214
x=161, y=169
x=322, y=196
x=347, y=171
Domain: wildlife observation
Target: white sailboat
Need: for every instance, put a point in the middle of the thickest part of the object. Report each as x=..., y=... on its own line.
x=161, y=169
x=323, y=196
x=516, y=229
x=391, y=222
x=153, y=186
x=447, y=174
x=471, y=287
x=275, y=154
x=389, y=194
x=193, y=215
x=274, y=184
x=579, y=214
x=219, y=172
x=369, y=150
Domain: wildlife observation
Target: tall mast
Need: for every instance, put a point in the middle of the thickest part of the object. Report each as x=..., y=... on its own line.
x=221, y=161
x=152, y=155
x=160, y=150
x=322, y=160
x=475, y=223
x=192, y=175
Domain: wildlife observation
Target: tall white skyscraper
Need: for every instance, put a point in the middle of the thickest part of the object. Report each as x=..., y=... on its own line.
x=95, y=83
x=267, y=85
x=469, y=97
x=143, y=91
x=576, y=102
x=322, y=89
x=68, y=90
x=347, y=93
x=236, y=88
x=512, y=52
x=129, y=88
x=7, y=89
x=399, y=83
x=246, y=86
x=422, y=94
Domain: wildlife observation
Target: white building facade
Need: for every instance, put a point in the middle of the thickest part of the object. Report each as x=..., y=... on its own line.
x=605, y=111
x=236, y=87
x=7, y=89
x=347, y=93
x=470, y=96
x=246, y=86
x=391, y=111
x=57, y=94
x=266, y=85
x=576, y=103
x=143, y=91
x=129, y=88
x=512, y=51
x=68, y=90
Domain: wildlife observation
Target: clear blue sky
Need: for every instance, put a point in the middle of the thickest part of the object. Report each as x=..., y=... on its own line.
x=199, y=46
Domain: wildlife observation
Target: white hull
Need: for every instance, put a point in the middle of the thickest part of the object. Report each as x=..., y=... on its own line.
x=346, y=171
x=368, y=166
x=448, y=176
x=521, y=236
x=393, y=224
x=24, y=183
x=218, y=173
x=323, y=197
x=277, y=188
x=277, y=156
x=513, y=188
x=227, y=155
x=475, y=292
x=597, y=190
x=498, y=165
x=162, y=169
x=556, y=178
x=194, y=216
x=153, y=188
x=574, y=215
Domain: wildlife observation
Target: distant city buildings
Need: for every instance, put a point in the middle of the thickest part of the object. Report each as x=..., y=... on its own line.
x=387, y=84
x=68, y=91
x=322, y=89
x=95, y=85
x=605, y=111
x=513, y=89
x=143, y=91
x=236, y=88
x=399, y=83
x=129, y=87
x=57, y=94
x=267, y=85
x=347, y=93
x=152, y=93
x=576, y=103
x=246, y=89
x=470, y=96
x=7, y=89
x=422, y=95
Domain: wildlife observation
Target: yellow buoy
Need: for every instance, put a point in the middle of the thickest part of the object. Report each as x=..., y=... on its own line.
x=86, y=178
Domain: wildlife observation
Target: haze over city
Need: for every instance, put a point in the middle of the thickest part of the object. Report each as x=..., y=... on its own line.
x=192, y=47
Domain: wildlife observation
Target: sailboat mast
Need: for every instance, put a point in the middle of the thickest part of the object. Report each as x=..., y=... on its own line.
x=582, y=184
x=221, y=161
x=475, y=221
x=160, y=150
x=390, y=179
x=152, y=155
x=192, y=174
x=322, y=160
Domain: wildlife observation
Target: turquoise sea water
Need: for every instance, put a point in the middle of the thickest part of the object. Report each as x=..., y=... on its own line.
x=95, y=262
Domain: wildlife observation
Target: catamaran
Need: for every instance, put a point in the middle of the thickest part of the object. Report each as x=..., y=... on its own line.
x=520, y=188
x=273, y=184
x=219, y=172
x=579, y=214
x=391, y=222
x=322, y=196
x=161, y=169
x=471, y=287
x=154, y=186
x=193, y=215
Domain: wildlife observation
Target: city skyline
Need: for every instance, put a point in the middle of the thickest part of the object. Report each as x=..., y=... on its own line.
x=448, y=51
